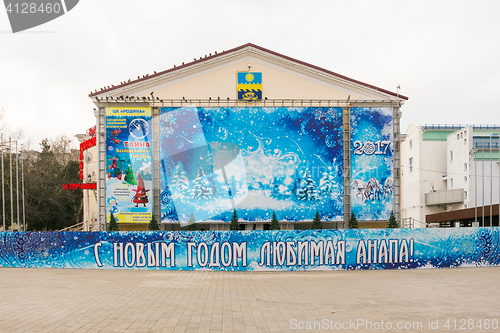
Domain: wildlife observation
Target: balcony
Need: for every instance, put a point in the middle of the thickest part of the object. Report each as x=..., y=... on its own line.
x=486, y=142
x=444, y=197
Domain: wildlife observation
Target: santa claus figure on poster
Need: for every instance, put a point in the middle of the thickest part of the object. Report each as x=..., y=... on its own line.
x=141, y=195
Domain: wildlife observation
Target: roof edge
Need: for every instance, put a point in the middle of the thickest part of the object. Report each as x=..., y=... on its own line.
x=216, y=55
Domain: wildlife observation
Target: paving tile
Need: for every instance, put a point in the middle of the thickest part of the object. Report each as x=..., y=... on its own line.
x=71, y=300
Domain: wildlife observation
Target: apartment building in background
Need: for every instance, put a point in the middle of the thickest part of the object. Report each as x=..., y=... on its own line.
x=450, y=175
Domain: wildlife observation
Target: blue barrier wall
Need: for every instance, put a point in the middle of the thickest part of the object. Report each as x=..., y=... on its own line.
x=254, y=250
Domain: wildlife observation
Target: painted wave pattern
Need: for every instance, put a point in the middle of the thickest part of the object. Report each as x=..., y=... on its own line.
x=362, y=248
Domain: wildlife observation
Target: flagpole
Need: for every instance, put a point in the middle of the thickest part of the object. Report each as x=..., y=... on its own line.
x=474, y=160
x=10, y=184
x=3, y=189
x=491, y=183
x=17, y=188
x=482, y=177
x=22, y=181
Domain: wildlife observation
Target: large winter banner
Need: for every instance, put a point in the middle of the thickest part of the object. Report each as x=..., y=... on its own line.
x=371, y=163
x=252, y=159
x=128, y=164
x=254, y=250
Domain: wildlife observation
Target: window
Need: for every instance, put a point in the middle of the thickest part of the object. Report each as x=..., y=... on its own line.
x=465, y=142
x=465, y=193
x=465, y=166
x=465, y=178
x=411, y=144
x=451, y=155
x=451, y=183
x=458, y=136
x=411, y=164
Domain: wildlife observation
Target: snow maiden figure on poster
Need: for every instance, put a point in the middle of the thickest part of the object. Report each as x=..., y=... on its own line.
x=113, y=206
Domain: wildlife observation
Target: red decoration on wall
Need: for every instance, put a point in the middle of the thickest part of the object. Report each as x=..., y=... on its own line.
x=84, y=146
x=88, y=144
x=86, y=186
x=91, y=131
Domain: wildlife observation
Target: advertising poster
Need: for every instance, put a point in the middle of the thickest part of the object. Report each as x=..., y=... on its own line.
x=255, y=160
x=129, y=179
x=371, y=163
x=295, y=250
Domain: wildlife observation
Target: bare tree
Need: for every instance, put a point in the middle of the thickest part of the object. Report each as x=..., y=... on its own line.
x=63, y=149
x=6, y=132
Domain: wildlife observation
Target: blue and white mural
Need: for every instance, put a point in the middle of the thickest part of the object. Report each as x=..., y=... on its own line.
x=296, y=250
x=371, y=163
x=256, y=160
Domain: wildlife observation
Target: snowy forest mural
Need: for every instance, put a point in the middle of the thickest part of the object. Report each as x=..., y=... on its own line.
x=371, y=163
x=253, y=159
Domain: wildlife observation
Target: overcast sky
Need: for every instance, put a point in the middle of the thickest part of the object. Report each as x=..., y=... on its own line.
x=444, y=54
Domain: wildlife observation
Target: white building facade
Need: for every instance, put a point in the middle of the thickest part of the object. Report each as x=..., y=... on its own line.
x=88, y=177
x=449, y=168
x=211, y=82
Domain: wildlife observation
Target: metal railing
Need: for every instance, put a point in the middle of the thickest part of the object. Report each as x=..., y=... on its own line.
x=74, y=227
x=486, y=145
x=409, y=222
x=227, y=102
x=484, y=142
x=459, y=126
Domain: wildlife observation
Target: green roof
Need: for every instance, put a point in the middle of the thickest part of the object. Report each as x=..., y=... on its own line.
x=436, y=135
x=484, y=133
x=478, y=155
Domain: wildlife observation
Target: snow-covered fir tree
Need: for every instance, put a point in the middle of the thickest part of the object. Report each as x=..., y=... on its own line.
x=308, y=190
x=326, y=183
x=180, y=183
x=201, y=188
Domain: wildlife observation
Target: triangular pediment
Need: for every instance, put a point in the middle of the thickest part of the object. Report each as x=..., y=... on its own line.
x=215, y=77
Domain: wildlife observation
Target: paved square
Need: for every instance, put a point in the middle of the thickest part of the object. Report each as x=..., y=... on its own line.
x=73, y=300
